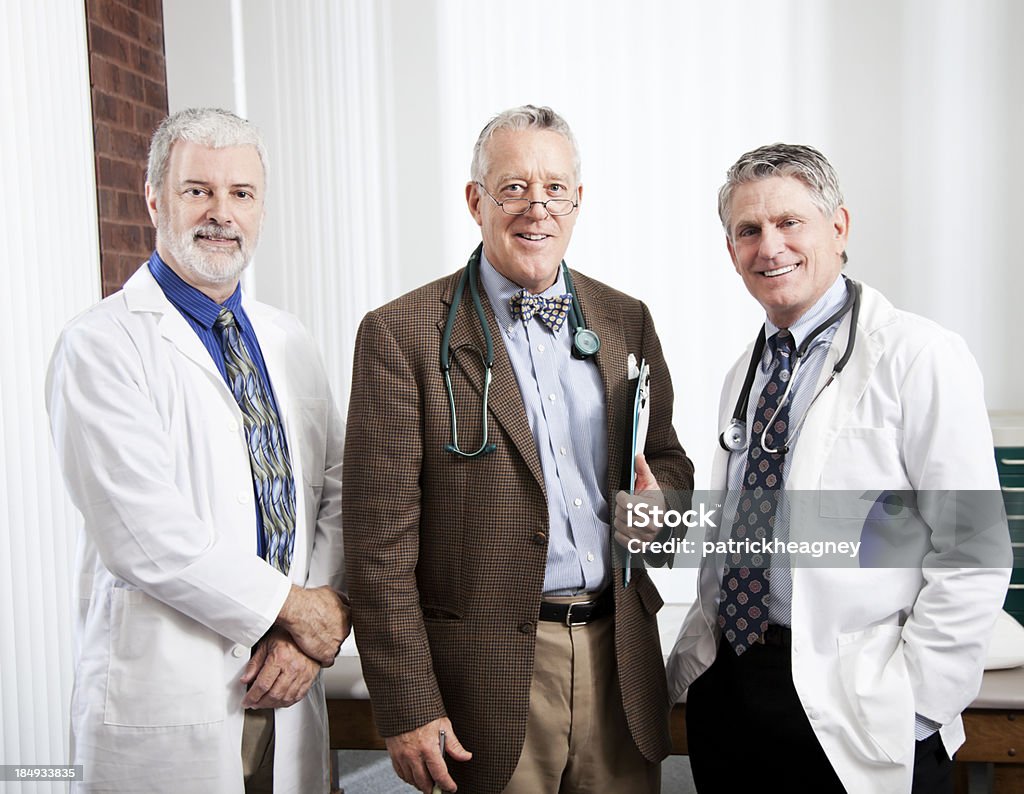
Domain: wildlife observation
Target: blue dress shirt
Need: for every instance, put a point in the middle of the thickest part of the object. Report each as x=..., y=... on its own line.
x=565, y=404
x=200, y=311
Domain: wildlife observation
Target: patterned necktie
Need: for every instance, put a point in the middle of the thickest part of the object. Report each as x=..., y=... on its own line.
x=551, y=311
x=743, y=607
x=268, y=450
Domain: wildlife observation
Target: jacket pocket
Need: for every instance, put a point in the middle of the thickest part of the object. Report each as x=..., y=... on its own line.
x=164, y=668
x=876, y=682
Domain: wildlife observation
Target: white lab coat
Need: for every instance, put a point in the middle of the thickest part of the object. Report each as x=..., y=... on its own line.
x=873, y=646
x=171, y=593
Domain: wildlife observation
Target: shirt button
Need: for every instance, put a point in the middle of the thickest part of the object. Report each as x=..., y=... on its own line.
x=233, y=426
x=540, y=348
x=526, y=628
x=590, y=556
x=577, y=501
x=511, y=328
x=540, y=538
x=242, y=496
x=239, y=651
x=552, y=397
x=561, y=450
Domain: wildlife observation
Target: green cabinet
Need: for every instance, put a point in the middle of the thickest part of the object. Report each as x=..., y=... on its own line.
x=1010, y=463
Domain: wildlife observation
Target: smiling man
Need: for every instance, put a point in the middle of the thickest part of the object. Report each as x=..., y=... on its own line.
x=822, y=679
x=478, y=528
x=199, y=439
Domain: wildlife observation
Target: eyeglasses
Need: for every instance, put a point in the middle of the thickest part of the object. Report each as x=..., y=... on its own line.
x=522, y=206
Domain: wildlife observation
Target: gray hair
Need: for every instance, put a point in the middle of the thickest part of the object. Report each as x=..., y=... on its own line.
x=804, y=163
x=210, y=127
x=522, y=118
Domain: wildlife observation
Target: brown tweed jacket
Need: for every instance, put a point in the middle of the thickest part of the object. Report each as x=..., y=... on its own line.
x=445, y=557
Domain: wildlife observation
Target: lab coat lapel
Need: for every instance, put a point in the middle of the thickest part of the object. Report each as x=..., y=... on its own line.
x=830, y=412
x=505, y=402
x=720, y=462
x=143, y=294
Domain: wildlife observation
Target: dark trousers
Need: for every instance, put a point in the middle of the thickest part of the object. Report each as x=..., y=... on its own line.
x=745, y=726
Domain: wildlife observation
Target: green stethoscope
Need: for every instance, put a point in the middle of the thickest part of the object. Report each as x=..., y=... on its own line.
x=585, y=343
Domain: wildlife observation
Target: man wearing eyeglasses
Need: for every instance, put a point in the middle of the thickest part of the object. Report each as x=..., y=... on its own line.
x=486, y=443
x=853, y=421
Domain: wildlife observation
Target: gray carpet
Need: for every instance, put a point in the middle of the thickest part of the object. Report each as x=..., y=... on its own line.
x=370, y=772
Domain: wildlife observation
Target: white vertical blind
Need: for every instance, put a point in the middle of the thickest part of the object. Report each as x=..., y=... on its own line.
x=49, y=266
x=317, y=84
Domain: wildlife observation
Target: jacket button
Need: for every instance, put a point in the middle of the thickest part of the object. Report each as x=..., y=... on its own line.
x=239, y=651
x=526, y=628
x=540, y=537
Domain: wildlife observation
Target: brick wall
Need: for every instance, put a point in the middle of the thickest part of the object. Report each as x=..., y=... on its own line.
x=129, y=98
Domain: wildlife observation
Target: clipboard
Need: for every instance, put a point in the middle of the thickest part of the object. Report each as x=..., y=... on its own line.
x=638, y=437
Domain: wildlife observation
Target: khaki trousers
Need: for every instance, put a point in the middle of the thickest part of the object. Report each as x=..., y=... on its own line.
x=258, y=751
x=577, y=738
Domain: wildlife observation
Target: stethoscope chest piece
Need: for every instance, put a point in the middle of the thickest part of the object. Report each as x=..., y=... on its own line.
x=734, y=437
x=585, y=343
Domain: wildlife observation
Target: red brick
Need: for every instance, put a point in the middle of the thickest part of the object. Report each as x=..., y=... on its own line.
x=149, y=238
x=116, y=79
x=123, y=238
x=149, y=62
x=132, y=206
x=151, y=34
x=156, y=95
x=108, y=43
x=107, y=200
x=111, y=109
x=129, y=145
x=151, y=9
x=122, y=175
x=147, y=120
x=114, y=16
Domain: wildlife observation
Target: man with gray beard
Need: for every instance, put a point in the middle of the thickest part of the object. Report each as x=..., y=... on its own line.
x=199, y=439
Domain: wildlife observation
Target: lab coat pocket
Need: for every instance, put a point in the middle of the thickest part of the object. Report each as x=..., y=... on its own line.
x=861, y=459
x=877, y=685
x=164, y=669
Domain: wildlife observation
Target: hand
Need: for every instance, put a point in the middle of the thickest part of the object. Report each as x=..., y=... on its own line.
x=279, y=672
x=646, y=501
x=416, y=755
x=318, y=621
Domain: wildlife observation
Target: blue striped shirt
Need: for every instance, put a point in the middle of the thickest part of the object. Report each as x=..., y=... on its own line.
x=565, y=404
x=200, y=311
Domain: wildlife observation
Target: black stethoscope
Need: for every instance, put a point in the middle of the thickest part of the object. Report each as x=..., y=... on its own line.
x=734, y=437
x=585, y=343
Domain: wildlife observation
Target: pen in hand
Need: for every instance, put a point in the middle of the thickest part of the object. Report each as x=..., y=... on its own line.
x=440, y=740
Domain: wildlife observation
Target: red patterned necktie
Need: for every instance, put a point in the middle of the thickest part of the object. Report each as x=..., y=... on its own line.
x=551, y=311
x=268, y=450
x=743, y=607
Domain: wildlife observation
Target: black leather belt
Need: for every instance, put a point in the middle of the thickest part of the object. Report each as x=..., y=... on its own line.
x=581, y=612
x=776, y=636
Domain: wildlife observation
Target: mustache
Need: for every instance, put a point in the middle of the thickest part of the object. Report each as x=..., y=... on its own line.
x=211, y=231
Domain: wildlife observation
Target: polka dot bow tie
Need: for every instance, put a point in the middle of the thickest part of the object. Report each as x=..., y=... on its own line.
x=550, y=311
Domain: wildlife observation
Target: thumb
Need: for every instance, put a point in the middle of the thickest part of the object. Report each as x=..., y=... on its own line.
x=454, y=748
x=645, y=480
x=255, y=664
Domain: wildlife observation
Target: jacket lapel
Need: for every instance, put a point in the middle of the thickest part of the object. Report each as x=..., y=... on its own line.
x=611, y=364
x=504, y=402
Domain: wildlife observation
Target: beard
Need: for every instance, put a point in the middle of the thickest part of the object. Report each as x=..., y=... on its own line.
x=213, y=267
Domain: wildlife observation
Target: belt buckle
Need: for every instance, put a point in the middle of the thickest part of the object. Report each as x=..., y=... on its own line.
x=568, y=613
